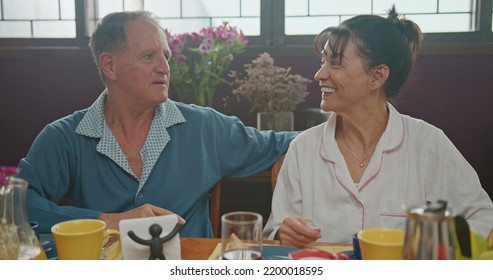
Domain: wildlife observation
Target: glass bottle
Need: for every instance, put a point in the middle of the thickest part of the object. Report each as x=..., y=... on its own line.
x=14, y=218
x=9, y=241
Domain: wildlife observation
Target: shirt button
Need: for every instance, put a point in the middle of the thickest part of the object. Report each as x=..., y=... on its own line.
x=140, y=195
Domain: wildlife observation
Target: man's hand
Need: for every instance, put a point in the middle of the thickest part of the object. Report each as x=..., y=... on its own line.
x=147, y=210
x=298, y=232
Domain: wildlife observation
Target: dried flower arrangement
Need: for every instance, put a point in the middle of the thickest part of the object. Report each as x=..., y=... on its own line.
x=269, y=88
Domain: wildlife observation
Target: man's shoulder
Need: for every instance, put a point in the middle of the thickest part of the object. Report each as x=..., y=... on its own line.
x=192, y=108
x=69, y=122
x=196, y=112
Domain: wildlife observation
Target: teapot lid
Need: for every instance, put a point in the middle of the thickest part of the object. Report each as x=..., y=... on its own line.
x=432, y=211
x=439, y=207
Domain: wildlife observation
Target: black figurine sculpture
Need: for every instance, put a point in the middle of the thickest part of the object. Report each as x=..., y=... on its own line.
x=156, y=242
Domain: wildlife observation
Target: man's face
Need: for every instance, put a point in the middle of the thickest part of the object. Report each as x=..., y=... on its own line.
x=141, y=70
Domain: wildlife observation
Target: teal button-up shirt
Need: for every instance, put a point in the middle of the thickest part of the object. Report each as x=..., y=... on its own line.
x=188, y=149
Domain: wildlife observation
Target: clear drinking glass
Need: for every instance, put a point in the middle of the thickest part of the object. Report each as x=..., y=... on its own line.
x=241, y=236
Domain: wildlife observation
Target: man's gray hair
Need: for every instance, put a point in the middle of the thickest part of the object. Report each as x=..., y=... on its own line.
x=110, y=34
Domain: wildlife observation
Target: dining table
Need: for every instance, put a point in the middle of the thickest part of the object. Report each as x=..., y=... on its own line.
x=193, y=248
x=203, y=248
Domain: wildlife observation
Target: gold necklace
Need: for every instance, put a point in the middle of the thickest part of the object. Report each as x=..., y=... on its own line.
x=361, y=162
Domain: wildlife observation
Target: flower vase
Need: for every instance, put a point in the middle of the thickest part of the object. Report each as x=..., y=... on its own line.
x=277, y=121
x=202, y=97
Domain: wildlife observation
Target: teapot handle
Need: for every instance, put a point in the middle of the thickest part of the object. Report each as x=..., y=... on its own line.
x=463, y=234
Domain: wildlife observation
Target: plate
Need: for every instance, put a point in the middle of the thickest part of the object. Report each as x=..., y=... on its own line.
x=277, y=252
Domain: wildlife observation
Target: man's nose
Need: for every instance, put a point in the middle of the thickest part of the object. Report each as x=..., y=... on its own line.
x=162, y=64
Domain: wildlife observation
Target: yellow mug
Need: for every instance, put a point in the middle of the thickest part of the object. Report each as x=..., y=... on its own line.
x=84, y=239
x=381, y=243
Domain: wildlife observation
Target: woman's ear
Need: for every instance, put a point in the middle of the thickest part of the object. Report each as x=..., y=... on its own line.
x=379, y=75
x=108, y=66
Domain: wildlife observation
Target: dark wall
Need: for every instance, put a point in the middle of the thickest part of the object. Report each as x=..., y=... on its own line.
x=454, y=93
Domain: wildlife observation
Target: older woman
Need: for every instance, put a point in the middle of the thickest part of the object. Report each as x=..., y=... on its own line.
x=367, y=161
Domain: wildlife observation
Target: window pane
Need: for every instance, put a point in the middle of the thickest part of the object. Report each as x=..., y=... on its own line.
x=337, y=7
x=188, y=15
x=176, y=26
x=443, y=23
x=133, y=5
x=30, y=9
x=67, y=9
x=431, y=15
x=296, y=7
x=54, y=29
x=250, y=8
x=211, y=8
x=450, y=6
x=169, y=8
x=15, y=29
x=105, y=7
x=405, y=6
x=38, y=19
x=309, y=25
x=249, y=26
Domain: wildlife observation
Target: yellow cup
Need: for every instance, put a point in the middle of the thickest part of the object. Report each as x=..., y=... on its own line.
x=84, y=239
x=381, y=243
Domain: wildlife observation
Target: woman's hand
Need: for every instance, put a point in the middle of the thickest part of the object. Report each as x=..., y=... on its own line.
x=298, y=232
x=147, y=210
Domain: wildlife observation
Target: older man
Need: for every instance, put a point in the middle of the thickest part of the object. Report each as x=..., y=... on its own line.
x=134, y=152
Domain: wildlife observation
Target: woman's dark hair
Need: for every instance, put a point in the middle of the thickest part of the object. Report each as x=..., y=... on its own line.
x=391, y=41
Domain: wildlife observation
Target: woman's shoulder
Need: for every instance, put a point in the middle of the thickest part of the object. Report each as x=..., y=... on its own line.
x=423, y=134
x=311, y=134
x=420, y=126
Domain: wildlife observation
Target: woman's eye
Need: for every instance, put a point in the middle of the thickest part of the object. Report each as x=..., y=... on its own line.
x=334, y=63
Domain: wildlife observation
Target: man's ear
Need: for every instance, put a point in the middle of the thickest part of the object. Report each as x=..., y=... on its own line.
x=379, y=75
x=108, y=66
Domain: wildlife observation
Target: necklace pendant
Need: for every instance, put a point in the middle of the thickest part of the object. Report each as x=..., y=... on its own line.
x=361, y=165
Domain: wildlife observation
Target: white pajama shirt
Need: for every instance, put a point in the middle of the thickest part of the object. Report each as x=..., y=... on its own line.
x=414, y=163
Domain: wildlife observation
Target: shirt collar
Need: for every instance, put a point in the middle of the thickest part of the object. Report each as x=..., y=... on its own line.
x=391, y=138
x=93, y=123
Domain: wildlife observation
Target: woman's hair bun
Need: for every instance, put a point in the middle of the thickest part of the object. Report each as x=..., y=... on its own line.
x=408, y=28
x=393, y=16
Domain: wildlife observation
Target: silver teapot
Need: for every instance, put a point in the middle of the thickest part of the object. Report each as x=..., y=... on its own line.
x=433, y=233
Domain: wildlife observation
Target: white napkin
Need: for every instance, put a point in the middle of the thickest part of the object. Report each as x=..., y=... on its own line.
x=132, y=250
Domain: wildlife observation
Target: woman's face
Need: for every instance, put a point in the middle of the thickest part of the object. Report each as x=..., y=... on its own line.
x=344, y=81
